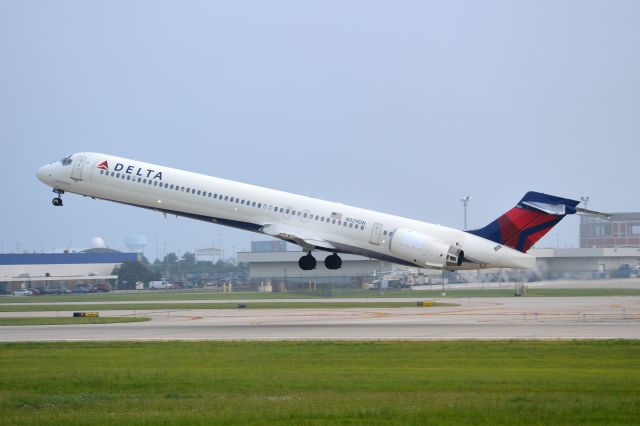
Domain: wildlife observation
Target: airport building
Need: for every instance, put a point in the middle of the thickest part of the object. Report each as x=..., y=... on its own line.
x=621, y=230
x=60, y=270
x=587, y=263
x=277, y=271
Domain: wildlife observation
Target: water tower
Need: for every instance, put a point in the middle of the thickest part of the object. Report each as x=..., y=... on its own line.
x=135, y=243
x=97, y=243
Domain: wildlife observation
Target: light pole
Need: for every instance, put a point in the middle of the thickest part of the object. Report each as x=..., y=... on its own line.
x=465, y=202
x=585, y=200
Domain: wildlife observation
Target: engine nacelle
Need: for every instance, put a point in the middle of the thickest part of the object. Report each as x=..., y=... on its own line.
x=423, y=250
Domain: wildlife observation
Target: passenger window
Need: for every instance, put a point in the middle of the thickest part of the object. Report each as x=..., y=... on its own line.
x=210, y=194
x=182, y=189
x=281, y=210
x=362, y=227
x=288, y=211
x=237, y=200
x=226, y=197
x=144, y=181
x=333, y=221
x=317, y=217
x=339, y=222
x=155, y=183
x=304, y=215
x=253, y=204
x=384, y=232
x=242, y=202
x=117, y=175
x=259, y=205
x=345, y=224
x=322, y=219
x=139, y=180
x=128, y=177
x=350, y=225
x=215, y=196
x=112, y=174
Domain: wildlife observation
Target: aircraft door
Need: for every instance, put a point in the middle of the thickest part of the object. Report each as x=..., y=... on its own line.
x=375, y=234
x=77, y=167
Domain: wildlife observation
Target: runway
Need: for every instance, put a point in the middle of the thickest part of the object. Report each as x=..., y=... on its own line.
x=474, y=318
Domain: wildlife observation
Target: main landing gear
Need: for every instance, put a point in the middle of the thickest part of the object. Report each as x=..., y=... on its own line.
x=333, y=262
x=57, y=201
x=308, y=262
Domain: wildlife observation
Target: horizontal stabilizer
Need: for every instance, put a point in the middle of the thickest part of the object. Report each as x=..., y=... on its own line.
x=593, y=212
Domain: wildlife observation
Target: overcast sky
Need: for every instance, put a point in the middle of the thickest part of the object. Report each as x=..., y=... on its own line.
x=400, y=106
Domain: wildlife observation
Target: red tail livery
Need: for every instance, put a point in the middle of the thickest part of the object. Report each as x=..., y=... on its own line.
x=534, y=216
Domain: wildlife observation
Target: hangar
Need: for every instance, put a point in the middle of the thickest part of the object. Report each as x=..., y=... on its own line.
x=60, y=270
x=279, y=269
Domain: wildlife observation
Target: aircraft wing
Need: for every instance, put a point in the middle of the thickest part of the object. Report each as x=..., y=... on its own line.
x=296, y=236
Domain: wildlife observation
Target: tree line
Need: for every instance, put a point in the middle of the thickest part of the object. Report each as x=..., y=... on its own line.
x=172, y=268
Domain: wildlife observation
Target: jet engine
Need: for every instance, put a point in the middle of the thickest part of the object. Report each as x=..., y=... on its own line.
x=424, y=250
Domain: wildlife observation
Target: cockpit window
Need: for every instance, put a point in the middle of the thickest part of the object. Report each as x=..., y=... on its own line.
x=66, y=160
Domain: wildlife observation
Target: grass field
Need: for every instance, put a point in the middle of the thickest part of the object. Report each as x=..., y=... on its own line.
x=68, y=320
x=346, y=293
x=318, y=383
x=168, y=306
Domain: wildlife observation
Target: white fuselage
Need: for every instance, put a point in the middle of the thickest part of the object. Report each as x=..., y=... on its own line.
x=309, y=222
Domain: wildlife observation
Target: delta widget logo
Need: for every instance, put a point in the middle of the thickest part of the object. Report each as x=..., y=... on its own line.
x=132, y=170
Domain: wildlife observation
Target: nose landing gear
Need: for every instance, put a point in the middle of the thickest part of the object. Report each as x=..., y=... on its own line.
x=57, y=201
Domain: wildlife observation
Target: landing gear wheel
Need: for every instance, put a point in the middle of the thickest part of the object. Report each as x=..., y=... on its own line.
x=307, y=263
x=58, y=200
x=333, y=261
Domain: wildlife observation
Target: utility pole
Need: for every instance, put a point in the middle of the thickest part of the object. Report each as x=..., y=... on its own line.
x=465, y=202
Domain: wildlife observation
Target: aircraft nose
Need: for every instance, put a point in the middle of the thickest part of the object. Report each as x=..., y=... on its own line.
x=44, y=174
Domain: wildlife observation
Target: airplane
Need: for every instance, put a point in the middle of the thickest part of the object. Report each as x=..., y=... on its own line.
x=313, y=224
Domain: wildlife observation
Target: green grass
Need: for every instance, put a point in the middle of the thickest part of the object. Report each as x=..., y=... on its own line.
x=67, y=320
x=144, y=296
x=252, y=305
x=318, y=383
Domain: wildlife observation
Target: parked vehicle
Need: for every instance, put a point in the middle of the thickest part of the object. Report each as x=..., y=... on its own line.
x=22, y=292
x=160, y=285
x=102, y=287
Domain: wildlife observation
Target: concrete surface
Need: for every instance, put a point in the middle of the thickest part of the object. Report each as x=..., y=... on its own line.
x=475, y=318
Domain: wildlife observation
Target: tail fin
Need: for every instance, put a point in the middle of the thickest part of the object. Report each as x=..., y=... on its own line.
x=522, y=226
